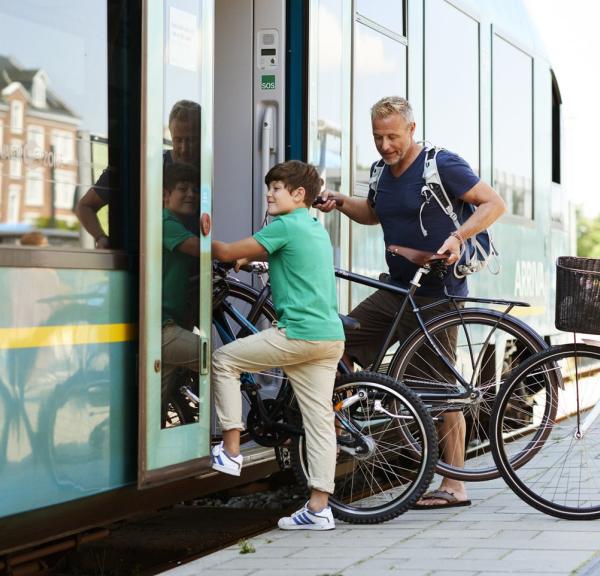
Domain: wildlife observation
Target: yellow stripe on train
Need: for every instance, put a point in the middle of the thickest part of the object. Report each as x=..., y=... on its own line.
x=69, y=335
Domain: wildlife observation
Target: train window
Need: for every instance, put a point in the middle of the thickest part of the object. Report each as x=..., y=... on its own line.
x=384, y=13
x=560, y=200
x=379, y=70
x=326, y=114
x=556, y=131
x=512, y=126
x=56, y=106
x=452, y=116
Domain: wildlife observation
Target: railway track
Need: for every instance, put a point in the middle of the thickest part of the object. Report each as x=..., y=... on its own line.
x=155, y=542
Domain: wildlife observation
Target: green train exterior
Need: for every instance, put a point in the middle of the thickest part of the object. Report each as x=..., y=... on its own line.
x=91, y=86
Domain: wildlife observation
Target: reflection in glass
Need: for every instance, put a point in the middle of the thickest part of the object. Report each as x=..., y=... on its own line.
x=512, y=127
x=53, y=97
x=326, y=149
x=379, y=70
x=452, y=115
x=384, y=12
x=181, y=161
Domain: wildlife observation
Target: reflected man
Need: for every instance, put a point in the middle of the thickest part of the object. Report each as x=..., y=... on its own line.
x=184, y=126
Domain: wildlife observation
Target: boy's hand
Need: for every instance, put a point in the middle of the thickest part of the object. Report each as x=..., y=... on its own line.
x=328, y=200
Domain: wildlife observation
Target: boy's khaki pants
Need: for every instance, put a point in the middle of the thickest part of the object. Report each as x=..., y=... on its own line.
x=310, y=365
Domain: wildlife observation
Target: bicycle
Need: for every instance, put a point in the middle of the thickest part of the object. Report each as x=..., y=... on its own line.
x=455, y=361
x=387, y=446
x=559, y=475
x=238, y=310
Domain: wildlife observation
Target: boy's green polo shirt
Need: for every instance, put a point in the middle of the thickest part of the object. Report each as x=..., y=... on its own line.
x=177, y=268
x=302, y=276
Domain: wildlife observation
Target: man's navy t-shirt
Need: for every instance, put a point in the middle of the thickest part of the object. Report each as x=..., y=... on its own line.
x=398, y=207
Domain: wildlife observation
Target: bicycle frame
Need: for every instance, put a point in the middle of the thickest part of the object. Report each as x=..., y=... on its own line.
x=409, y=300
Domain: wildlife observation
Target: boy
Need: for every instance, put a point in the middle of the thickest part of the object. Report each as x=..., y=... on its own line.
x=181, y=250
x=307, y=341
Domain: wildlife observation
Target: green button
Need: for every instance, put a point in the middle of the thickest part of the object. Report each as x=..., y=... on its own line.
x=267, y=82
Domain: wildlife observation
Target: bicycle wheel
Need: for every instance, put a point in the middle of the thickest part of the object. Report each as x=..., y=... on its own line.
x=484, y=346
x=180, y=409
x=387, y=448
x=561, y=476
x=237, y=314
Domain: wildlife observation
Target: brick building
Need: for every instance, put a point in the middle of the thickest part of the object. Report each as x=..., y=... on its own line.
x=38, y=149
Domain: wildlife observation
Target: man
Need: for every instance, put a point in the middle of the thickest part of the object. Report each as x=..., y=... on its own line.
x=399, y=209
x=184, y=126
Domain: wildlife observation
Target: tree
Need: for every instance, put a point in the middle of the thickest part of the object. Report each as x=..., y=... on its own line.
x=588, y=236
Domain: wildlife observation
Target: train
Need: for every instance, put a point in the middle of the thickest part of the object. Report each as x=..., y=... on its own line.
x=87, y=88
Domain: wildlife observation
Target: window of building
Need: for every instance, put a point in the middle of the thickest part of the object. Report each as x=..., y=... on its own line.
x=512, y=126
x=16, y=159
x=63, y=145
x=35, y=141
x=34, y=190
x=84, y=77
x=64, y=188
x=16, y=116
x=452, y=81
x=14, y=203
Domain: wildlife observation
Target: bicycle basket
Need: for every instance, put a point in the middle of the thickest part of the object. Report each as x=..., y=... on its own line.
x=578, y=295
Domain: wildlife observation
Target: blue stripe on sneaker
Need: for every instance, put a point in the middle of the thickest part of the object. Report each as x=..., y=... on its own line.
x=296, y=520
x=306, y=518
x=219, y=460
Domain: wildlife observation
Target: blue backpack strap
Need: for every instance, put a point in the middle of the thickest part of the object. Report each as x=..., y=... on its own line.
x=477, y=251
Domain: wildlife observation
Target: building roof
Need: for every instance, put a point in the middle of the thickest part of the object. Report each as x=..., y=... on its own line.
x=11, y=72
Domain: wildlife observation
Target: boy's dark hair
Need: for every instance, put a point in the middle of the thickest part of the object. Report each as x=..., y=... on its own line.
x=294, y=174
x=179, y=172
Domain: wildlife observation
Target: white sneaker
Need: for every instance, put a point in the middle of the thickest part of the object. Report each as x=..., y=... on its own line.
x=306, y=519
x=223, y=462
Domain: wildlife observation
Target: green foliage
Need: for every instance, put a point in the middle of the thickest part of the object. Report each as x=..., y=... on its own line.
x=246, y=547
x=44, y=222
x=588, y=236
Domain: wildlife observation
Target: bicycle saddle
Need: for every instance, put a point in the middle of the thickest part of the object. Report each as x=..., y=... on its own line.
x=418, y=257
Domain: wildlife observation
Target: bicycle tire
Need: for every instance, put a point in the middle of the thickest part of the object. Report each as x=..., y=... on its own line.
x=485, y=340
x=243, y=297
x=560, y=476
x=393, y=474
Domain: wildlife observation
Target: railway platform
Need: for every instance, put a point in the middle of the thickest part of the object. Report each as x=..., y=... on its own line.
x=497, y=535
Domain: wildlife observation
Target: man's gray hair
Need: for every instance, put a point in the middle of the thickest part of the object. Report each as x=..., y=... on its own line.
x=392, y=105
x=186, y=111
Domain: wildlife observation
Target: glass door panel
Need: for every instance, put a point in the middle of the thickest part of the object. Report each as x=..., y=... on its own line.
x=175, y=281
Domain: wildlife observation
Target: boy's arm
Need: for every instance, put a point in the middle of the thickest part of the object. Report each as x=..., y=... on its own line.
x=190, y=246
x=248, y=248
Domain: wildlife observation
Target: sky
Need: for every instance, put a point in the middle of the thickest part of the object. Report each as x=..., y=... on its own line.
x=569, y=32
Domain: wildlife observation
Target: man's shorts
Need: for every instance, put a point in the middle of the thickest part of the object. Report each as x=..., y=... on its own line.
x=376, y=314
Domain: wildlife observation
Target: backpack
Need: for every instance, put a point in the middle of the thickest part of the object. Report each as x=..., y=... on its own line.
x=478, y=251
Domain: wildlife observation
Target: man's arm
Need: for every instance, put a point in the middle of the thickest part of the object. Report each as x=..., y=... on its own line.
x=356, y=208
x=248, y=248
x=490, y=206
x=87, y=211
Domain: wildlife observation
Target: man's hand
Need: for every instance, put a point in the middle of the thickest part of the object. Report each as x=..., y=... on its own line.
x=452, y=245
x=328, y=200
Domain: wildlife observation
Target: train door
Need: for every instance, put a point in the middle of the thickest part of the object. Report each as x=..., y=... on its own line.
x=177, y=120
x=237, y=50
